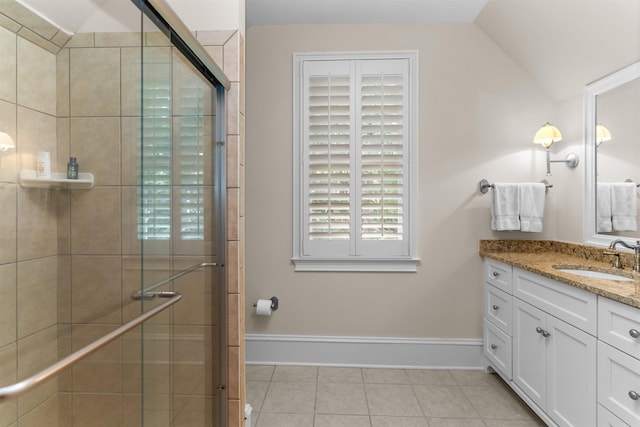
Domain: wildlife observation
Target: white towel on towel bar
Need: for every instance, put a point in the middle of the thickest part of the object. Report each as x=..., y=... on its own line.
x=505, y=207
x=624, y=206
x=531, y=206
x=603, y=208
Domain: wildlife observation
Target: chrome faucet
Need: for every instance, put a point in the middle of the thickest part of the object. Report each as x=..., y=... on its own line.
x=635, y=248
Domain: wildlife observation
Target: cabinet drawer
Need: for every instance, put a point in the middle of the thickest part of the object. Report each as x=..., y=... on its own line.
x=618, y=379
x=607, y=419
x=619, y=326
x=497, y=348
x=499, y=275
x=575, y=306
x=498, y=308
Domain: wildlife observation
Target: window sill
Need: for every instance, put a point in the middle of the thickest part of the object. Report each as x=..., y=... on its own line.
x=408, y=265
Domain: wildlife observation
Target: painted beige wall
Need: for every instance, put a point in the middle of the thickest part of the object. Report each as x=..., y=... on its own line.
x=478, y=112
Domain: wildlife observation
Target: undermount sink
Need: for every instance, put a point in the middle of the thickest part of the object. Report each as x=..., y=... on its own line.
x=586, y=272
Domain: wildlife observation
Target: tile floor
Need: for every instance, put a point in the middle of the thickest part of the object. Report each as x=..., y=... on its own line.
x=310, y=396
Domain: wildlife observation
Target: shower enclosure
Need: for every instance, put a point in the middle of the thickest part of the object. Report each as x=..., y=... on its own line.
x=112, y=303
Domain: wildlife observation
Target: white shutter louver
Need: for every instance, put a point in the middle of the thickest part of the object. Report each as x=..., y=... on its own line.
x=329, y=157
x=382, y=168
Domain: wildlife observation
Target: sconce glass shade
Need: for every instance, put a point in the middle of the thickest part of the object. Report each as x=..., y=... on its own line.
x=6, y=141
x=602, y=134
x=547, y=135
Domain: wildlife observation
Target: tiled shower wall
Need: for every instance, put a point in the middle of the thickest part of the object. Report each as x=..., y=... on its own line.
x=227, y=50
x=43, y=260
x=28, y=230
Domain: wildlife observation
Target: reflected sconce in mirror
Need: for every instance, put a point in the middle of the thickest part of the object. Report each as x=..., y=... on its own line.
x=546, y=136
x=6, y=141
x=602, y=135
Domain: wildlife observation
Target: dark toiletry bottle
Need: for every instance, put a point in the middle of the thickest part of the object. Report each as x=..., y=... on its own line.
x=72, y=168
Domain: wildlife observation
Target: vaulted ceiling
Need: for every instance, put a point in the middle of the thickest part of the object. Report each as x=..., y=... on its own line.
x=563, y=44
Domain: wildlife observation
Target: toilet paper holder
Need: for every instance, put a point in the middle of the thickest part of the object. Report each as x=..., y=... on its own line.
x=274, y=303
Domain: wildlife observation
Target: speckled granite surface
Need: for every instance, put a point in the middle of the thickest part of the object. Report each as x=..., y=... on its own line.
x=540, y=257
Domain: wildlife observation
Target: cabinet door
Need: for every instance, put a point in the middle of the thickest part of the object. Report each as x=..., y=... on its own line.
x=530, y=351
x=571, y=381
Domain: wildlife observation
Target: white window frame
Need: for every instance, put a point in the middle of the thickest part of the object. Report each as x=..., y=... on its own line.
x=404, y=260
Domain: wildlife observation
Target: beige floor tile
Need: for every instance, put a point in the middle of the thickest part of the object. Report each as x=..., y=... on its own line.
x=399, y=422
x=444, y=401
x=455, y=422
x=341, y=398
x=430, y=377
x=256, y=392
x=290, y=398
x=512, y=423
x=497, y=403
x=468, y=377
x=284, y=420
x=392, y=399
x=342, y=421
x=259, y=372
x=385, y=376
x=296, y=373
x=328, y=374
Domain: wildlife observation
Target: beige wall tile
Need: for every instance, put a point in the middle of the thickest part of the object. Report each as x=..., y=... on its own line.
x=8, y=226
x=156, y=78
x=233, y=214
x=118, y=39
x=45, y=414
x=102, y=371
x=216, y=53
x=95, y=215
x=37, y=224
x=35, y=353
x=209, y=38
x=8, y=361
x=96, y=289
x=231, y=57
x=8, y=52
x=95, y=142
x=37, y=302
x=36, y=132
x=82, y=40
x=97, y=409
x=8, y=159
x=64, y=289
x=62, y=83
x=8, y=303
x=88, y=66
x=130, y=150
x=36, y=77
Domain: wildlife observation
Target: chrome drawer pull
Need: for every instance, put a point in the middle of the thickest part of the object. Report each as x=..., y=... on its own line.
x=493, y=346
x=495, y=307
x=634, y=333
x=546, y=334
x=539, y=330
x=634, y=395
x=496, y=274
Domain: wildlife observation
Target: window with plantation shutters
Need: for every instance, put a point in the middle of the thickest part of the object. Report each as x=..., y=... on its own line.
x=355, y=149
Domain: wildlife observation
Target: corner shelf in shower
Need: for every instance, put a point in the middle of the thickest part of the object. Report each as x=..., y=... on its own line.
x=28, y=178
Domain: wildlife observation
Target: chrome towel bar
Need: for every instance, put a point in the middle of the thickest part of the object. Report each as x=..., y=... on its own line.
x=17, y=389
x=485, y=185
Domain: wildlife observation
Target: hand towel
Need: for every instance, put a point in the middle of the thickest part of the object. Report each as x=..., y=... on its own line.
x=531, y=206
x=603, y=208
x=624, y=206
x=505, y=207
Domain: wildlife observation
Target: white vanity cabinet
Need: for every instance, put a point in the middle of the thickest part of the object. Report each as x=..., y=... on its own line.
x=554, y=359
x=618, y=363
x=498, y=316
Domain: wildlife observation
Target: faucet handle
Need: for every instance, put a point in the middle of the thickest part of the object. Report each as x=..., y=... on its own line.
x=617, y=263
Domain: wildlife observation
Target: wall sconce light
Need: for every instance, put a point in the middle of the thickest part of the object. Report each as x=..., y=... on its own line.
x=6, y=141
x=546, y=136
x=602, y=134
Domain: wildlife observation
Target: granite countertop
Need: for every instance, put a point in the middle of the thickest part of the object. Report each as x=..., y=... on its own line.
x=540, y=257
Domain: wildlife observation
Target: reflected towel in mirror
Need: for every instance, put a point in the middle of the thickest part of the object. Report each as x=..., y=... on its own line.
x=624, y=206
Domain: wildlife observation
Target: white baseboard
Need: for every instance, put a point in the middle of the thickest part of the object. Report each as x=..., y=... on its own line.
x=268, y=349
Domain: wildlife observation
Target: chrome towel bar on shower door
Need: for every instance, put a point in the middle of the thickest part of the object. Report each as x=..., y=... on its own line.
x=17, y=389
x=148, y=293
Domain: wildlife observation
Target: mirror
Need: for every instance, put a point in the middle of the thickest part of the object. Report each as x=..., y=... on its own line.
x=612, y=173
